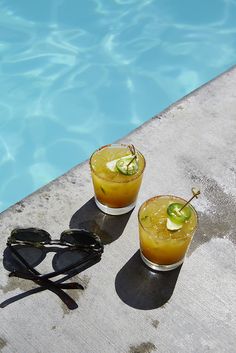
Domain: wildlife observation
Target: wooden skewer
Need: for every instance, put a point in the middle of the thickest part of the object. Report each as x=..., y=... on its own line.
x=195, y=192
x=132, y=149
x=134, y=157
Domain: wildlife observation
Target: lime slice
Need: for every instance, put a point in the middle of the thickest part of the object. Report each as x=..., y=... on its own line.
x=112, y=164
x=172, y=226
x=176, y=215
x=127, y=165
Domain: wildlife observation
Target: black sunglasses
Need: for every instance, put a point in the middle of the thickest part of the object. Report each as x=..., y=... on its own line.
x=85, y=249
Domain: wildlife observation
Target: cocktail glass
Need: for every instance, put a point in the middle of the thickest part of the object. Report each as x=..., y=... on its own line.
x=163, y=249
x=115, y=190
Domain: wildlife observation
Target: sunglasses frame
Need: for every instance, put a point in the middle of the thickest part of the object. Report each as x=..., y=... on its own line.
x=96, y=246
x=94, y=250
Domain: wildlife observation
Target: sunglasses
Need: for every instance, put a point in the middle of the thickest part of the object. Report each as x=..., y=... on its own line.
x=80, y=248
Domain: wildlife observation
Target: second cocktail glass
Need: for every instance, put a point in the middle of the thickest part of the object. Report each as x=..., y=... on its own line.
x=166, y=229
x=117, y=172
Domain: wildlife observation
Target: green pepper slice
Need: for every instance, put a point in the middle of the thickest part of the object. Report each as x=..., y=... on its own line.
x=127, y=166
x=176, y=215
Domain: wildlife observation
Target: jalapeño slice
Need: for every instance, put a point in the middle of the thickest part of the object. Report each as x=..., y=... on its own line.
x=127, y=165
x=176, y=215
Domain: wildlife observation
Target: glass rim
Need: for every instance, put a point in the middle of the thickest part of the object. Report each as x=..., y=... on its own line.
x=110, y=145
x=173, y=196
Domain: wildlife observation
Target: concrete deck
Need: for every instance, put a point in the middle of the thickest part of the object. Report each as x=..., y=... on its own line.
x=125, y=308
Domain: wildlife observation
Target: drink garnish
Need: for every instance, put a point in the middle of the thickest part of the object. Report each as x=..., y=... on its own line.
x=178, y=214
x=132, y=149
x=112, y=164
x=131, y=167
x=127, y=165
x=196, y=192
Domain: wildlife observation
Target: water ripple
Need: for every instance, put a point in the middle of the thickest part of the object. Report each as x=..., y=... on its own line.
x=75, y=76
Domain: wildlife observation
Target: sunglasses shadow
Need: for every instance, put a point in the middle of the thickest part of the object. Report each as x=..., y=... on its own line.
x=67, y=276
x=142, y=288
x=108, y=228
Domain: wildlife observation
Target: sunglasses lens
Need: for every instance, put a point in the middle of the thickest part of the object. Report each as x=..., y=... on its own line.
x=80, y=237
x=30, y=234
x=33, y=256
x=68, y=258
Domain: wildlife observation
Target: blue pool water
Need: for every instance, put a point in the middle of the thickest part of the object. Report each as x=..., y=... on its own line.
x=77, y=74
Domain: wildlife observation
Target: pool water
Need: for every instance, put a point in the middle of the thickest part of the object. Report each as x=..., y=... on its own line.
x=78, y=74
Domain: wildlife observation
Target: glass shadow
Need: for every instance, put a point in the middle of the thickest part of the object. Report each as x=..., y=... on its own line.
x=108, y=228
x=142, y=288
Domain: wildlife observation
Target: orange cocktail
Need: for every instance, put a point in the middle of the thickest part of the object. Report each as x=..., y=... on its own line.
x=163, y=243
x=117, y=172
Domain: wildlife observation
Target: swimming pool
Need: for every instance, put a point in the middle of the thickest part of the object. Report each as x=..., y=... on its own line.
x=78, y=74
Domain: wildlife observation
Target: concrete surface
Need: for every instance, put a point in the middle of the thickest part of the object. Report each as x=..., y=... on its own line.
x=126, y=308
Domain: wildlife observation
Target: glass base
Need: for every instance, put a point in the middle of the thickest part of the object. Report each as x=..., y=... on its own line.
x=114, y=211
x=157, y=267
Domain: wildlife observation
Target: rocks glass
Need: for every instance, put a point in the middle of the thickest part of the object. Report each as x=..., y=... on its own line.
x=117, y=171
x=163, y=249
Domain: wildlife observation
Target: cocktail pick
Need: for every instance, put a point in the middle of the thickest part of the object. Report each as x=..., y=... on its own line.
x=132, y=149
x=196, y=192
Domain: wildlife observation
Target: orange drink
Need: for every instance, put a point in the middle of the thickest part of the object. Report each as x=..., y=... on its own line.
x=164, y=235
x=117, y=172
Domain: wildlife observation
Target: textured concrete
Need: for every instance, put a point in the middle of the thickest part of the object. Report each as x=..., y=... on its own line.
x=125, y=308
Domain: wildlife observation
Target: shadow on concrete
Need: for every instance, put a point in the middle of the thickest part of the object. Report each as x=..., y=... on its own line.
x=69, y=262
x=108, y=228
x=142, y=288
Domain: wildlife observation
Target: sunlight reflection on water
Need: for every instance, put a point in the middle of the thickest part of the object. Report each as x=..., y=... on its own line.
x=76, y=75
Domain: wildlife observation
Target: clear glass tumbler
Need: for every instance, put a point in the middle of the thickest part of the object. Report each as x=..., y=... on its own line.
x=117, y=177
x=160, y=248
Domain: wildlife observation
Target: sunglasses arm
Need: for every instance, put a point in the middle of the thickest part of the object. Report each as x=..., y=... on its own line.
x=71, y=304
